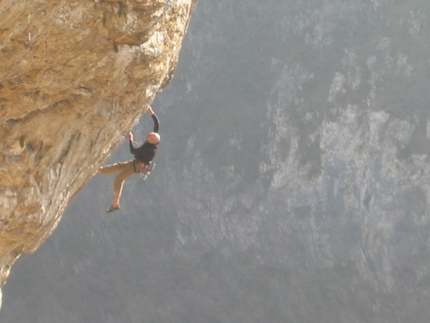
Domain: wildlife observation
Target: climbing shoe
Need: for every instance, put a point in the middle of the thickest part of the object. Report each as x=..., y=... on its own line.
x=112, y=208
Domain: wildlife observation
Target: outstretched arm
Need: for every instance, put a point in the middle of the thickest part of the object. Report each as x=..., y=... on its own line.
x=154, y=118
x=131, y=142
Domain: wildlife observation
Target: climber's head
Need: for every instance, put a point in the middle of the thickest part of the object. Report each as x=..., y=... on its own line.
x=153, y=138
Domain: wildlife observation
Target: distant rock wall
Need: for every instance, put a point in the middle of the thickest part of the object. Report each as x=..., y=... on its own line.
x=74, y=78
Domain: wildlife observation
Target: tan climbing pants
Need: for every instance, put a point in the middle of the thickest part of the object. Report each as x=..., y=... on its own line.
x=125, y=170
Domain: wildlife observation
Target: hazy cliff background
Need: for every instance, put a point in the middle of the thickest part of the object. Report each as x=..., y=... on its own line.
x=292, y=181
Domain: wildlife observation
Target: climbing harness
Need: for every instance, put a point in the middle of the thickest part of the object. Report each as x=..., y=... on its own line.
x=145, y=170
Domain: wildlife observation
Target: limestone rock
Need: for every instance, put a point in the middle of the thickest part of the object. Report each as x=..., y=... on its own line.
x=74, y=78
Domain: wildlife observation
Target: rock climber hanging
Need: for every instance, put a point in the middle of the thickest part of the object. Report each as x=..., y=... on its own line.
x=141, y=164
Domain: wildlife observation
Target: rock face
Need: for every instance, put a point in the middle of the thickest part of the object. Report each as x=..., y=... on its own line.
x=74, y=78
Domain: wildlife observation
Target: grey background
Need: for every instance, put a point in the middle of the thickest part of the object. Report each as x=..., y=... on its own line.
x=292, y=181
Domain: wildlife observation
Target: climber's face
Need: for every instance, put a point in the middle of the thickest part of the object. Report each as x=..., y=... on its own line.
x=153, y=138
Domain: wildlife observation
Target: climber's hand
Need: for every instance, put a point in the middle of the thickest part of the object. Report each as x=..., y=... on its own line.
x=149, y=110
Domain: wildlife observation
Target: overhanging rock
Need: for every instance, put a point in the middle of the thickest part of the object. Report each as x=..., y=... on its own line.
x=75, y=77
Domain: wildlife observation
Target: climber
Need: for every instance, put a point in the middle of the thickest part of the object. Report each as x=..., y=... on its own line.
x=143, y=156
